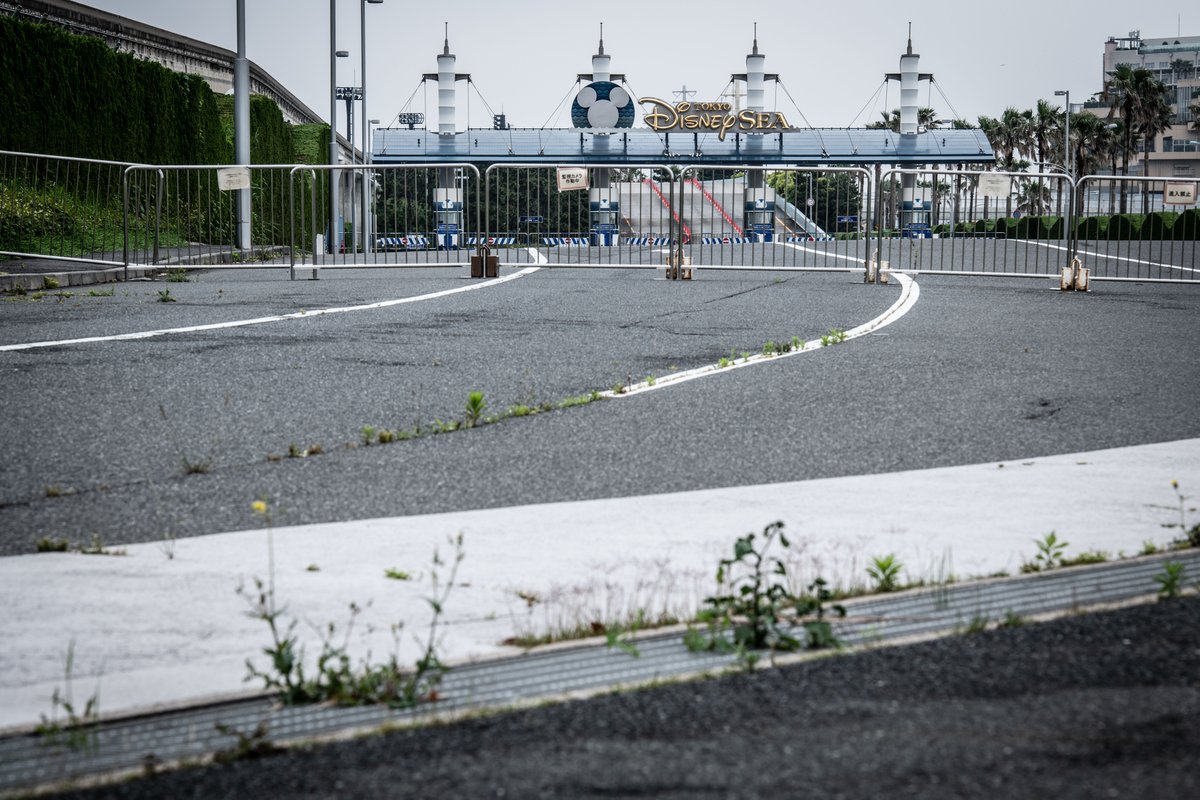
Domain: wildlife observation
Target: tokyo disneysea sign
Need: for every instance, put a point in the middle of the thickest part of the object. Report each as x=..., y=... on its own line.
x=715, y=117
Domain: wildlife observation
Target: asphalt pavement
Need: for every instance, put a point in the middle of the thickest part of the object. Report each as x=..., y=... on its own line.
x=97, y=434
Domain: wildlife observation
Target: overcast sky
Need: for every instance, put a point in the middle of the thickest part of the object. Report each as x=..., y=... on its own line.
x=523, y=55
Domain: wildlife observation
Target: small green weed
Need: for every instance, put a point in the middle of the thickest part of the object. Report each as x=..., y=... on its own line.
x=885, y=571
x=164, y=296
x=651, y=380
x=79, y=730
x=1086, y=557
x=49, y=282
x=1149, y=548
x=978, y=624
x=797, y=343
x=723, y=362
x=335, y=679
x=1170, y=580
x=753, y=604
x=255, y=744
x=474, y=409
x=397, y=574
x=48, y=545
x=618, y=638
x=770, y=349
x=367, y=434
x=835, y=336
x=1049, y=554
x=101, y=292
x=199, y=467
x=97, y=548
x=1011, y=620
x=178, y=275
x=1190, y=537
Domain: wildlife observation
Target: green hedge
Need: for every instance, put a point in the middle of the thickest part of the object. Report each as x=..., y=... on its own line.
x=1122, y=228
x=63, y=94
x=1187, y=226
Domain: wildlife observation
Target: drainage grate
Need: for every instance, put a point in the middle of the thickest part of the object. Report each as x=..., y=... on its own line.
x=26, y=761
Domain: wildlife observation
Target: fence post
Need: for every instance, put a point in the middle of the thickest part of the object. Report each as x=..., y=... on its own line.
x=158, y=198
x=125, y=220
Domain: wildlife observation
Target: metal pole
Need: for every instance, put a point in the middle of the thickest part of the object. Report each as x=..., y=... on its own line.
x=241, y=123
x=333, y=145
x=366, y=155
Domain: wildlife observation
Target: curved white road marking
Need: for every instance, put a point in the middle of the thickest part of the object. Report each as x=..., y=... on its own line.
x=241, y=323
x=910, y=291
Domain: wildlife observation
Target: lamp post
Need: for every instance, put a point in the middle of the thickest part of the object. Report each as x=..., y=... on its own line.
x=1066, y=127
x=366, y=155
x=369, y=188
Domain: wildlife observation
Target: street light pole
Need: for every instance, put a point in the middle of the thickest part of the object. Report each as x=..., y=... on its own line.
x=333, y=145
x=1067, y=128
x=366, y=156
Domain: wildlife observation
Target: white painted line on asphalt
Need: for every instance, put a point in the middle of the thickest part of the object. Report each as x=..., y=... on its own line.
x=910, y=291
x=818, y=251
x=1126, y=259
x=241, y=323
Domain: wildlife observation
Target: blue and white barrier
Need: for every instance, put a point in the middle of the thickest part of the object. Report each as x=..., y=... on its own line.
x=492, y=240
x=582, y=241
x=406, y=242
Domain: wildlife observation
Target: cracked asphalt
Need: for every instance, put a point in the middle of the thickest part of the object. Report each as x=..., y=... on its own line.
x=97, y=435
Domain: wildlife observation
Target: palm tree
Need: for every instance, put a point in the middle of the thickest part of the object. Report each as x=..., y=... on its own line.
x=1046, y=124
x=1139, y=99
x=890, y=120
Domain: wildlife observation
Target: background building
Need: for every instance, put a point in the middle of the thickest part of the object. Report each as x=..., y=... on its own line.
x=1175, y=61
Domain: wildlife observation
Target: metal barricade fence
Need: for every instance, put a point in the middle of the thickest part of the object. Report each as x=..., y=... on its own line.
x=620, y=216
x=966, y=222
x=1127, y=230
x=190, y=215
x=61, y=208
x=415, y=215
x=809, y=218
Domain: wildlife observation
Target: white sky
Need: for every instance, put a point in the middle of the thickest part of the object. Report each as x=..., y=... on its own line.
x=523, y=55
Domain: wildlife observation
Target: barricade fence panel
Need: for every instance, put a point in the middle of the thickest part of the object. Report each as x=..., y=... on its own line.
x=975, y=222
x=771, y=218
x=389, y=215
x=620, y=216
x=193, y=215
x=1137, y=228
x=61, y=208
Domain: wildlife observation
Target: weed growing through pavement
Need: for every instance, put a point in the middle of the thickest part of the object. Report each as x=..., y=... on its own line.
x=1170, y=580
x=1189, y=537
x=835, y=336
x=1011, y=620
x=164, y=296
x=49, y=545
x=78, y=731
x=101, y=293
x=97, y=548
x=255, y=744
x=49, y=282
x=335, y=678
x=618, y=638
x=885, y=571
x=397, y=574
x=978, y=624
x=177, y=275
x=1049, y=554
x=473, y=411
x=753, y=609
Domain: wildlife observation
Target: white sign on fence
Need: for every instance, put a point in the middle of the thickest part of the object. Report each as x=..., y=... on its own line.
x=571, y=178
x=230, y=178
x=999, y=186
x=1180, y=194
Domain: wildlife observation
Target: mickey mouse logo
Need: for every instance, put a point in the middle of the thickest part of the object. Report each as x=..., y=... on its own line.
x=602, y=104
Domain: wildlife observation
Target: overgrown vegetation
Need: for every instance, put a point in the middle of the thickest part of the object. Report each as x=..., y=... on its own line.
x=753, y=609
x=335, y=678
x=78, y=730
